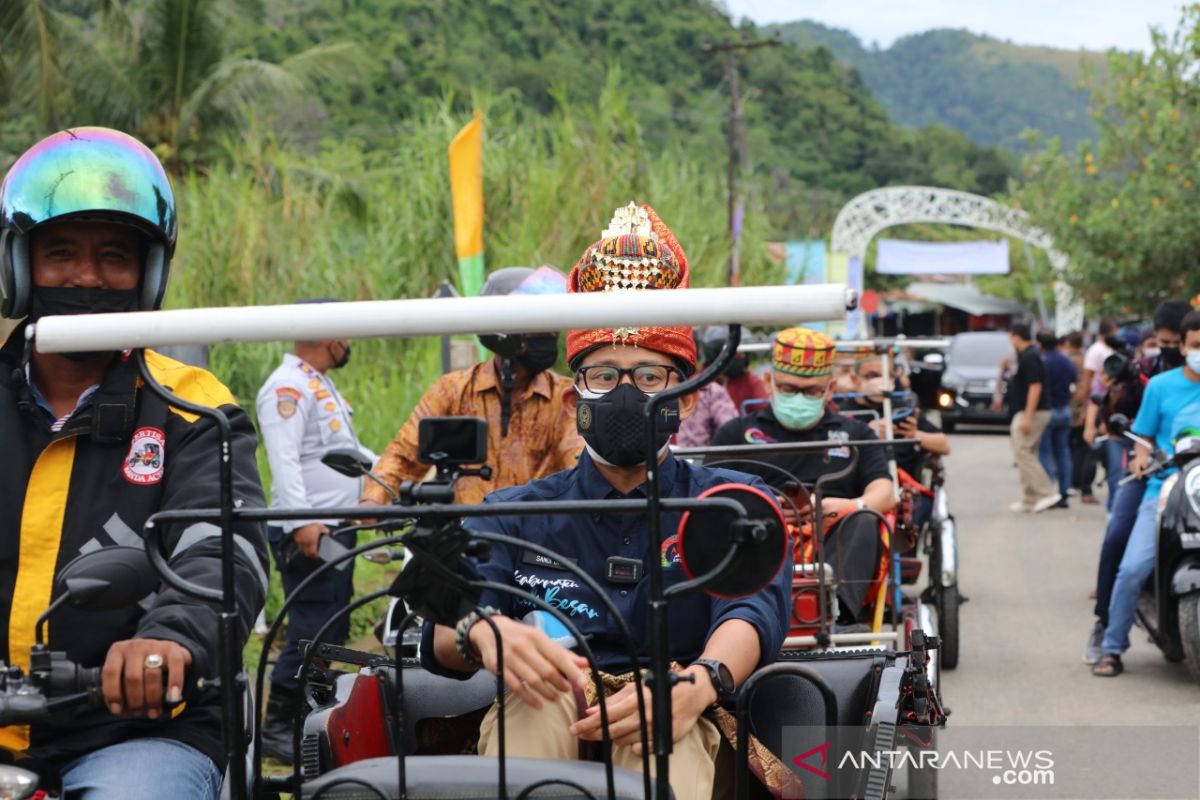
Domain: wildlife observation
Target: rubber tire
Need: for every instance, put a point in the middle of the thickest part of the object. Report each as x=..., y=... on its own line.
x=1189, y=633
x=947, y=602
x=922, y=783
x=948, y=425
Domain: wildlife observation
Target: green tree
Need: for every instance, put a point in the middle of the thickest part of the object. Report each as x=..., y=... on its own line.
x=1124, y=208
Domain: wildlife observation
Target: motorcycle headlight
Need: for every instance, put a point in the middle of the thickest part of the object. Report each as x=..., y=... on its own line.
x=1191, y=487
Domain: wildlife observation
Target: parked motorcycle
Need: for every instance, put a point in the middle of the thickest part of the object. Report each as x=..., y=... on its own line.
x=1169, y=605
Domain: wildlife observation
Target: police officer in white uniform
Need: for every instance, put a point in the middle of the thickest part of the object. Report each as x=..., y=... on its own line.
x=302, y=416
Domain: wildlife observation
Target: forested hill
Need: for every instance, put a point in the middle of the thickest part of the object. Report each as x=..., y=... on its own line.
x=989, y=89
x=815, y=134
x=814, y=130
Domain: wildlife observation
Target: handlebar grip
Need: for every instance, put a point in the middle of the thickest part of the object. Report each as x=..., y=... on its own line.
x=17, y=709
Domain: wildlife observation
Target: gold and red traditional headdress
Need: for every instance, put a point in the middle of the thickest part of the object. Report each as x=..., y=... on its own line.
x=637, y=251
x=803, y=352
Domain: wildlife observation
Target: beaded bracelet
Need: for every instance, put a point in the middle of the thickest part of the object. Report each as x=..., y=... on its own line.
x=462, y=644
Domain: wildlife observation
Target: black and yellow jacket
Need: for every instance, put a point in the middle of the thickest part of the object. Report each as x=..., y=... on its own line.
x=121, y=456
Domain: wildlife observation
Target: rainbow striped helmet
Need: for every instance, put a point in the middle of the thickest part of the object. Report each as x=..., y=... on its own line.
x=85, y=174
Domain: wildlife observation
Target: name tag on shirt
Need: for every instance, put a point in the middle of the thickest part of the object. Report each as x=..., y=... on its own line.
x=539, y=560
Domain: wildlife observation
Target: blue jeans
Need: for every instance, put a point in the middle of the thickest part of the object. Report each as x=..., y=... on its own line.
x=1054, y=450
x=142, y=769
x=1136, y=566
x=1116, y=535
x=1115, y=451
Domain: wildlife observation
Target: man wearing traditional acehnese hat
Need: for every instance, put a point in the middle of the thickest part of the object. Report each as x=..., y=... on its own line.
x=720, y=641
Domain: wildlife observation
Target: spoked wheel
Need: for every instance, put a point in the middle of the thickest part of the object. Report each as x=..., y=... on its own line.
x=947, y=600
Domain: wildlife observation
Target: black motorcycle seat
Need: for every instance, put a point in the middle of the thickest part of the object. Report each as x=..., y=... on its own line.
x=473, y=778
x=787, y=712
x=853, y=677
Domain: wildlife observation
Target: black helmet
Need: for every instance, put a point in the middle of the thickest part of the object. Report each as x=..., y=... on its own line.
x=503, y=282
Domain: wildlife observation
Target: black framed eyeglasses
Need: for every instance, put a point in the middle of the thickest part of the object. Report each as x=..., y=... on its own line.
x=602, y=379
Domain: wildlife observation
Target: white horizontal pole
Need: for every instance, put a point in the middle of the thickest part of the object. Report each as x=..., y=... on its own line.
x=749, y=305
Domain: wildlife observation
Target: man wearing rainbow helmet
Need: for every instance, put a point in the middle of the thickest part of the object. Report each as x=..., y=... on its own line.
x=87, y=225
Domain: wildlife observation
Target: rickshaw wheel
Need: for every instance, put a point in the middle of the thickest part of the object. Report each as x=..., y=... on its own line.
x=947, y=600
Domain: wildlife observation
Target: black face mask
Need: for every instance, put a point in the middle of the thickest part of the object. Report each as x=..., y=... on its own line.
x=614, y=425
x=1171, y=357
x=344, y=360
x=55, y=301
x=736, y=368
x=540, y=354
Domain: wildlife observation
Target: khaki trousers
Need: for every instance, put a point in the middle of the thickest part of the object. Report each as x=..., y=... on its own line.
x=1035, y=483
x=530, y=733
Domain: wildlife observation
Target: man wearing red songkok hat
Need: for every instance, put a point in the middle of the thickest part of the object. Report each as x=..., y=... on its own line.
x=801, y=381
x=720, y=642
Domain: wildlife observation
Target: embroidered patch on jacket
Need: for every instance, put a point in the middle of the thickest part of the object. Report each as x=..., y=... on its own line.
x=670, y=551
x=147, y=457
x=839, y=436
x=286, y=400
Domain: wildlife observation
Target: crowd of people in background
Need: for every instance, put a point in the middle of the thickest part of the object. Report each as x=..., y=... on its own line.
x=1063, y=401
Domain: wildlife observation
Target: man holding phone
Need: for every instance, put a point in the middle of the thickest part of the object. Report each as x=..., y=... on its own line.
x=302, y=416
x=908, y=422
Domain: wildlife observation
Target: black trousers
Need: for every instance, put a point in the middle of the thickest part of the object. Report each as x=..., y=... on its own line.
x=853, y=547
x=320, y=601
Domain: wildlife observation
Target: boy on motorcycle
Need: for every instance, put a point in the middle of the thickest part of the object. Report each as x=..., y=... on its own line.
x=87, y=225
x=1126, y=398
x=799, y=412
x=720, y=641
x=1171, y=401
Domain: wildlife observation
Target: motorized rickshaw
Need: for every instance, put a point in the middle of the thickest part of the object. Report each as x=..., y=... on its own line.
x=873, y=700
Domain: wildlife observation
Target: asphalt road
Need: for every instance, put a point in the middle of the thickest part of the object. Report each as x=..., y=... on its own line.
x=1028, y=577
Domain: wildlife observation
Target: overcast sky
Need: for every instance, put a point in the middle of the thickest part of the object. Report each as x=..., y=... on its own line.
x=1092, y=24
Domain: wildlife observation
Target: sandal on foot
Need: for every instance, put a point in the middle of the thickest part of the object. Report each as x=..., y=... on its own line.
x=1109, y=666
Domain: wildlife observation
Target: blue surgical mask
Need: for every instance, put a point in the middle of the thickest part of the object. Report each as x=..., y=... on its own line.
x=797, y=412
x=1193, y=361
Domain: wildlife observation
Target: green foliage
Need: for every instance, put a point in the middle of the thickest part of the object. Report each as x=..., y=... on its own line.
x=990, y=90
x=1125, y=209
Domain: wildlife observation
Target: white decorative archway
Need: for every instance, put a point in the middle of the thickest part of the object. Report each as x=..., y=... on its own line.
x=870, y=213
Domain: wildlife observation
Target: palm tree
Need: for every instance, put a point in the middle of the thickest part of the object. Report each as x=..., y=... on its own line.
x=160, y=69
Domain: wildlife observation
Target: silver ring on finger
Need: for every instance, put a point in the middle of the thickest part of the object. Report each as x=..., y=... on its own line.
x=153, y=661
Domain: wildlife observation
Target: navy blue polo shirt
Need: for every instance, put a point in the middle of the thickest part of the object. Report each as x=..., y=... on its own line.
x=588, y=540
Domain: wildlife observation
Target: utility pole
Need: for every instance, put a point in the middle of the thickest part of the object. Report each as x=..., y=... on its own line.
x=738, y=157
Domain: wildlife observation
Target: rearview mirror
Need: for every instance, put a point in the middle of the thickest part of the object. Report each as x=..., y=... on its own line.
x=706, y=537
x=108, y=579
x=348, y=462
